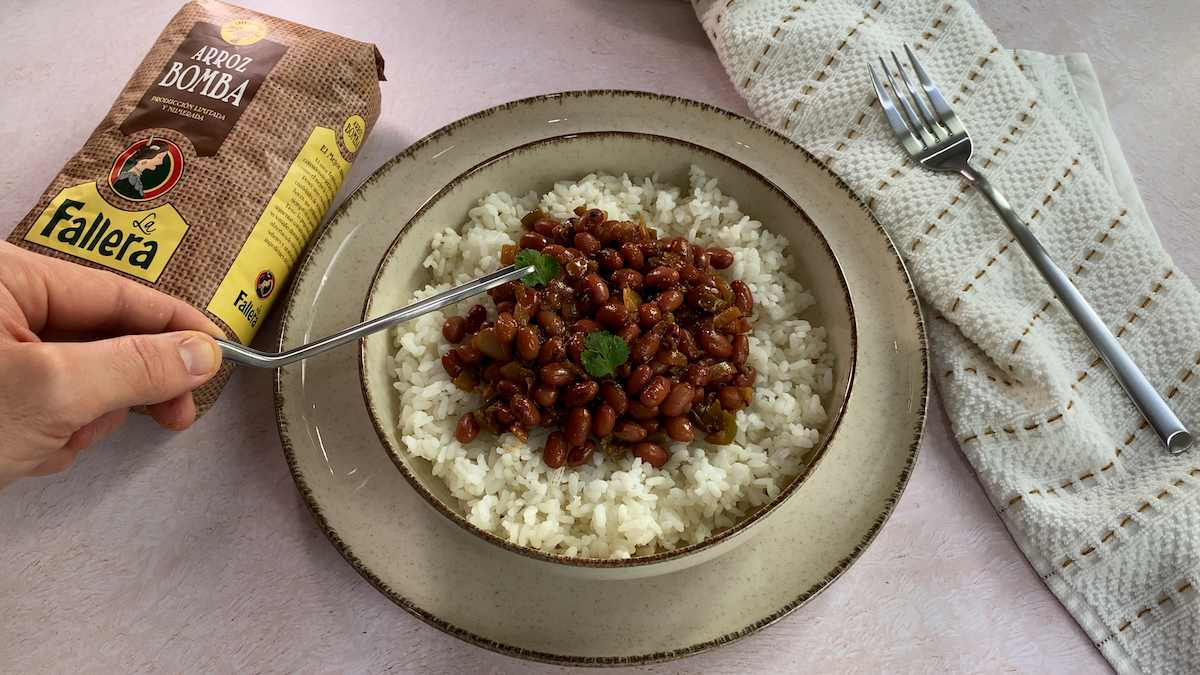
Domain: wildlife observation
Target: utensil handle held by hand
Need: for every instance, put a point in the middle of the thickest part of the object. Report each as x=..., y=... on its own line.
x=1152, y=405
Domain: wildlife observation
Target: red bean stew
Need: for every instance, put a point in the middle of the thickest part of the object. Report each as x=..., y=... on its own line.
x=618, y=340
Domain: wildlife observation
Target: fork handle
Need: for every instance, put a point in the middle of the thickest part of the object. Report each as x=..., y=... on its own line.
x=1151, y=404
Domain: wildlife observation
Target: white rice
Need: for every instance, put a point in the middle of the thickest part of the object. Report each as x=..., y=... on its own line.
x=607, y=508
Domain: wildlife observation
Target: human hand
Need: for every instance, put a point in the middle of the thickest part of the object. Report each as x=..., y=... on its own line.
x=78, y=348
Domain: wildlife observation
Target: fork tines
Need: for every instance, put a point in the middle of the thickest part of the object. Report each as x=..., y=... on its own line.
x=927, y=120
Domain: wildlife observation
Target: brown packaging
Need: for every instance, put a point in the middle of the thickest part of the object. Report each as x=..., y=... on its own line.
x=215, y=164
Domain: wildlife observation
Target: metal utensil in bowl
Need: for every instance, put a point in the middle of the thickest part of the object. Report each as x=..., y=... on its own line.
x=935, y=138
x=246, y=356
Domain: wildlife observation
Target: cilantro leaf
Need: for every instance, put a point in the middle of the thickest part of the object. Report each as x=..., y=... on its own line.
x=604, y=353
x=546, y=267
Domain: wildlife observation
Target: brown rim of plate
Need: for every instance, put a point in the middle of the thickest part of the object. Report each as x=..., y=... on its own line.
x=546, y=657
x=395, y=454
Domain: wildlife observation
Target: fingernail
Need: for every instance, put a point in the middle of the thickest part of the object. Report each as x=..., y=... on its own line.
x=199, y=355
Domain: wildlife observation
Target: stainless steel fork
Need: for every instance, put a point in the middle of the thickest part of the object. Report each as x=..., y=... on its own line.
x=934, y=137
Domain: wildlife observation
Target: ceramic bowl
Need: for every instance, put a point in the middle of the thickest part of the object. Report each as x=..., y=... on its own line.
x=536, y=166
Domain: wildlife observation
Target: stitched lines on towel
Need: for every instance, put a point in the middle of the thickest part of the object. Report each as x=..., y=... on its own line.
x=772, y=46
x=831, y=61
x=1073, y=485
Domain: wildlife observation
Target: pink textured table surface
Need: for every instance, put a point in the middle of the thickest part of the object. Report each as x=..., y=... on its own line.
x=193, y=552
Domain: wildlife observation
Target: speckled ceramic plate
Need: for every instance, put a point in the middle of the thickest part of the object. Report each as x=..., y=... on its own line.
x=490, y=597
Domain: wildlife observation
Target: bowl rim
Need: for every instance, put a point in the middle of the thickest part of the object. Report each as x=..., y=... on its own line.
x=756, y=516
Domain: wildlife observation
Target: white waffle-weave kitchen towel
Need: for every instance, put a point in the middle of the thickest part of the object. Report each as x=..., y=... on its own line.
x=1110, y=521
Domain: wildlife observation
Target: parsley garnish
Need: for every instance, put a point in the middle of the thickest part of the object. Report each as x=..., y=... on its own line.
x=604, y=353
x=546, y=267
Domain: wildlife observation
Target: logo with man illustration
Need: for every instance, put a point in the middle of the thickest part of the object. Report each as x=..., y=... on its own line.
x=146, y=170
x=264, y=284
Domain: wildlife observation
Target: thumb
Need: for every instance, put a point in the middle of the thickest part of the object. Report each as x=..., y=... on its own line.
x=137, y=369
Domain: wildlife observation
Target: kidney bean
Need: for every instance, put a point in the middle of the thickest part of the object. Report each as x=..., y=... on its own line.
x=576, y=268
x=628, y=278
x=603, y=421
x=651, y=425
x=554, y=453
x=580, y=393
x=614, y=396
x=587, y=243
x=746, y=377
x=687, y=344
x=580, y=454
x=742, y=297
x=649, y=314
x=642, y=412
x=691, y=275
x=697, y=375
x=646, y=347
x=467, y=429
x=680, y=429
x=529, y=343
x=632, y=255
x=501, y=293
x=655, y=391
x=700, y=257
x=585, y=326
x=629, y=332
x=555, y=374
x=545, y=226
x=715, y=344
x=662, y=277
x=609, y=259
x=638, y=379
x=720, y=258
x=551, y=322
x=492, y=372
x=629, y=431
x=576, y=344
x=596, y=288
x=612, y=314
x=468, y=354
x=590, y=218
x=561, y=234
x=455, y=329
x=508, y=387
x=731, y=399
x=545, y=394
x=506, y=328
x=556, y=251
x=579, y=423
x=721, y=372
x=532, y=240
x=651, y=453
x=670, y=358
x=475, y=318
x=741, y=349
x=553, y=349
x=525, y=411
x=669, y=300
x=505, y=307
x=678, y=401
x=451, y=364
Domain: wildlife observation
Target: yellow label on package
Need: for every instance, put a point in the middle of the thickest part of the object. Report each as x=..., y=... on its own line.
x=81, y=223
x=262, y=266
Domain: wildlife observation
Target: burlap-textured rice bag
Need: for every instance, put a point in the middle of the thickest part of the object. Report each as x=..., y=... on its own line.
x=216, y=163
